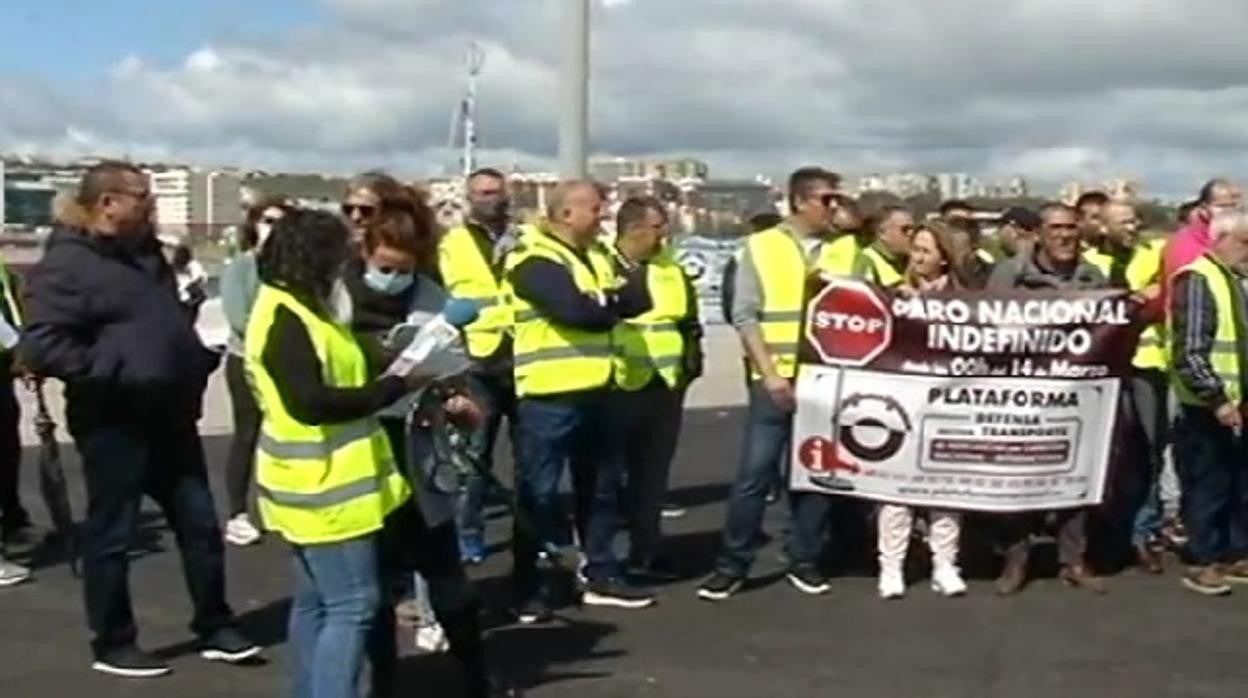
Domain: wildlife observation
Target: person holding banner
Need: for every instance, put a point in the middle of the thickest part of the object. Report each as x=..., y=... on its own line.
x=886, y=259
x=1054, y=263
x=933, y=267
x=767, y=312
x=1207, y=328
x=1134, y=264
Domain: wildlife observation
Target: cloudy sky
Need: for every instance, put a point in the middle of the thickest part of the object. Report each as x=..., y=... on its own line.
x=1052, y=89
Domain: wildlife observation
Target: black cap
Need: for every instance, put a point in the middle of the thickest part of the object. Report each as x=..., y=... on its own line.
x=1024, y=218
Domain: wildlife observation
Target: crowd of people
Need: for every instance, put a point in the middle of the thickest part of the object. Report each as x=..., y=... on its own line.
x=586, y=346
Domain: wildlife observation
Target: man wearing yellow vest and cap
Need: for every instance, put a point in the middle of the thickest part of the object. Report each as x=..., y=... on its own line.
x=884, y=261
x=767, y=312
x=568, y=304
x=470, y=260
x=659, y=354
x=1134, y=264
x=1209, y=348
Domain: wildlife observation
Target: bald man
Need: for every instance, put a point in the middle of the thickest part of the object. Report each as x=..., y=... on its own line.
x=1134, y=264
x=568, y=302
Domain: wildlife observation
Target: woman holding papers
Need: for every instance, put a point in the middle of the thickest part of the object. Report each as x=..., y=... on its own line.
x=390, y=288
x=933, y=267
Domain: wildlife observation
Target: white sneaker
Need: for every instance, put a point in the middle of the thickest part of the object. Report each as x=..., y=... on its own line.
x=892, y=584
x=240, y=531
x=431, y=639
x=947, y=580
x=12, y=574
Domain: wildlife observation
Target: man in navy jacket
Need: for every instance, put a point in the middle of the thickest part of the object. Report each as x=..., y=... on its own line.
x=103, y=316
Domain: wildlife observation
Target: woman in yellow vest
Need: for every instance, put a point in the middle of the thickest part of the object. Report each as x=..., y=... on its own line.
x=325, y=476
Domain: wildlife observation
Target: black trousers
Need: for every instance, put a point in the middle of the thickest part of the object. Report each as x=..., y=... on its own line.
x=409, y=544
x=648, y=421
x=239, y=467
x=12, y=515
x=122, y=463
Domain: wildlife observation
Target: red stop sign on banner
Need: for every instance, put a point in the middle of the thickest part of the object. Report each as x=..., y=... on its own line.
x=847, y=323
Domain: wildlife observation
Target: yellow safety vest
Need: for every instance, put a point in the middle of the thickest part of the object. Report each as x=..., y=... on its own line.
x=652, y=342
x=1224, y=358
x=467, y=273
x=782, y=272
x=844, y=255
x=318, y=483
x=552, y=358
x=880, y=270
x=10, y=297
x=1143, y=270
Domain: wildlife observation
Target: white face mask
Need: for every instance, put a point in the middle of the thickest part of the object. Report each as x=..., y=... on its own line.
x=340, y=302
x=262, y=232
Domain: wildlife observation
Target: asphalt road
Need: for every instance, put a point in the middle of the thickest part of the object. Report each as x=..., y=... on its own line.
x=1148, y=637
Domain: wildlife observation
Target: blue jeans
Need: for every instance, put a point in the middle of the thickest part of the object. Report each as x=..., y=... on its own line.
x=335, y=605
x=1211, y=463
x=572, y=430
x=767, y=432
x=1148, y=420
x=495, y=395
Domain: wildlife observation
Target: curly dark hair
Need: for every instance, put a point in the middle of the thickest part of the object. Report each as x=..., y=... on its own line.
x=248, y=237
x=305, y=253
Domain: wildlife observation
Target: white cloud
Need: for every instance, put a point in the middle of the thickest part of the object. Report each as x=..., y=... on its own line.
x=1052, y=88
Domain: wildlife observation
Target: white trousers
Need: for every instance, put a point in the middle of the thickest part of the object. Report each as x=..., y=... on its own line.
x=895, y=524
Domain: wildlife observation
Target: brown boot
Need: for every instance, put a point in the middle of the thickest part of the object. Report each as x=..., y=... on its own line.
x=1081, y=576
x=1013, y=574
x=1149, y=559
x=1235, y=573
x=1206, y=580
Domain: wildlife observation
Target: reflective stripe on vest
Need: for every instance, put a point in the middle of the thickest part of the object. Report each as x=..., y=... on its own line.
x=884, y=273
x=552, y=358
x=1143, y=270
x=1224, y=356
x=782, y=271
x=466, y=273
x=652, y=343
x=317, y=483
x=10, y=300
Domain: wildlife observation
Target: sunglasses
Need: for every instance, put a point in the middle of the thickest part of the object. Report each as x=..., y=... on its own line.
x=271, y=220
x=364, y=210
x=827, y=199
x=1062, y=226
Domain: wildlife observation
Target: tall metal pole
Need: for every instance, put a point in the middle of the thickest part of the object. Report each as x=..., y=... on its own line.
x=573, y=88
x=475, y=60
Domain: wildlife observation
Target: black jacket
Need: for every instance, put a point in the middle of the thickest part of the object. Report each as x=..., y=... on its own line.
x=106, y=320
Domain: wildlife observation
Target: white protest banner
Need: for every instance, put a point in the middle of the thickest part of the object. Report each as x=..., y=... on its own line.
x=960, y=400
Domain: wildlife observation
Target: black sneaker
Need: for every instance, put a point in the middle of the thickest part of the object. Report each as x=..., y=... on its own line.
x=534, y=610
x=131, y=663
x=616, y=594
x=719, y=587
x=229, y=646
x=652, y=567
x=809, y=580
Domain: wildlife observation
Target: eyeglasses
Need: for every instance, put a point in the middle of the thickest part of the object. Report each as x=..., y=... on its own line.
x=140, y=194
x=365, y=211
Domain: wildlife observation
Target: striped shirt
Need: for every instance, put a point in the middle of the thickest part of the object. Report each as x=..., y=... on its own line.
x=1195, y=322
